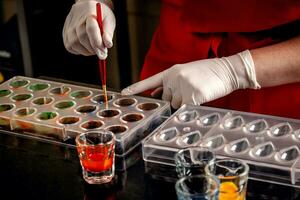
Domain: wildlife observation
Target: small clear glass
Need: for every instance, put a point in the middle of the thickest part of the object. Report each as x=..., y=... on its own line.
x=192, y=161
x=233, y=177
x=197, y=187
x=96, y=151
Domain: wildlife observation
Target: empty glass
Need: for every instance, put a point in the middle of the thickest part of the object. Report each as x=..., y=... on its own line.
x=192, y=161
x=198, y=187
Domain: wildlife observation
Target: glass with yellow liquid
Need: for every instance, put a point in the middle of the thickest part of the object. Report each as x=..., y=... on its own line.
x=233, y=177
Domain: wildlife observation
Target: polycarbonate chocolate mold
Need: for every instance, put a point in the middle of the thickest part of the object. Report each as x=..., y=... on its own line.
x=62, y=111
x=210, y=119
x=282, y=129
x=215, y=142
x=264, y=150
x=124, y=102
x=269, y=144
x=233, y=123
x=239, y=146
x=167, y=135
x=187, y=116
x=42, y=100
x=257, y=126
x=189, y=139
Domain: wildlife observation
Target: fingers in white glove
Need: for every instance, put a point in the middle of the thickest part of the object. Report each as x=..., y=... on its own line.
x=147, y=84
x=176, y=100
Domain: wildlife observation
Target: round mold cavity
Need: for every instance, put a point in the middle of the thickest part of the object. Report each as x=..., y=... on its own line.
x=233, y=123
x=167, y=135
x=280, y=130
x=264, y=150
x=64, y=105
x=22, y=97
x=190, y=138
x=23, y=112
x=214, y=143
x=85, y=109
x=132, y=117
x=125, y=102
x=68, y=120
x=38, y=87
x=108, y=113
x=6, y=107
x=289, y=154
x=209, y=120
x=239, y=146
x=47, y=115
x=5, y=93
x=81, y=94
x=60, y=90
x=42, y=101
x=100, y=99
x=18, y=83
x=117, y=129
x=187, y=116
x=92, y=124
x=257, y=126
x=148, y=106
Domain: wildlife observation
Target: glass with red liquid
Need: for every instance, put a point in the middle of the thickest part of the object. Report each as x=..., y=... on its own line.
x=96, y=151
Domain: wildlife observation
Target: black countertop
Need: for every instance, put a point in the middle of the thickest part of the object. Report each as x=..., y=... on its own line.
x=31, y=169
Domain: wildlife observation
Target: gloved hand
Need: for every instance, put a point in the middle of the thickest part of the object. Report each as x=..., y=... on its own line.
x=201, y=81
x=81, y=33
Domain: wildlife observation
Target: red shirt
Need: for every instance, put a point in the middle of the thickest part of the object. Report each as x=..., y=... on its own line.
x=192, y=30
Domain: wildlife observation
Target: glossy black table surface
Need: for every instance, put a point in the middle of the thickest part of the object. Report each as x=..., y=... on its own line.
x=32, y=169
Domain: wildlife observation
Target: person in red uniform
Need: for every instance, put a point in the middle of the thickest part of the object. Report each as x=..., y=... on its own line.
x=241, y=55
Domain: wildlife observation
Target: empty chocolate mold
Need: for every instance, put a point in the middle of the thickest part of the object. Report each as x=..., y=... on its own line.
x=85, y=109
x=92, y=124
x=264, y=150
x=47, y=115
x=4, y=93
x=42, y=101
x=281, y=129
x=60, y=90
x=256, y=126
x=124, y=102
x=18, y=83
x=190, y=138
x=167, y=135
x=117, y=129
x=6, y=107
x=68, y=120
x=100, y=99
x=215, y=142
x=187, y=116
x=239, y=146
x=81, y=94
x=38, y=87
x=108, y=113
x=148, y=106
x=64, y=104
x=288, y=154
x=133, y=117
x=210, y=119
x=21, y=97
x=233, y=123
x=22, y=112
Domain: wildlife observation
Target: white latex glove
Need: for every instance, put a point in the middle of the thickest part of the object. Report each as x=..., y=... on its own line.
x=81, y=32
x=201, y=81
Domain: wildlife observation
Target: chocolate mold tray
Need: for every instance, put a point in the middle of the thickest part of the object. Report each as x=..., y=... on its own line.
x=269, y=144
x=60, y=111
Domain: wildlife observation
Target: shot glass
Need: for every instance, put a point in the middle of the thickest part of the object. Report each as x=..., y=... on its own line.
x=197, y=187
x=233, y=177
x=96, y=151
x=192, y=161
